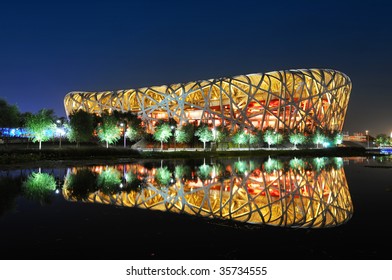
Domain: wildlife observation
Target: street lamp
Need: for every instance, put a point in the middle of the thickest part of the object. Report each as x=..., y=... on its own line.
x=367, y=137
x=174, y=136
x=124, y=128
x=60, y=131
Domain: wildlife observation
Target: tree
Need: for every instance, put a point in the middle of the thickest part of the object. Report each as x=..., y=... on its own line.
x=132, y=124
x=240, y=137
x=382, y=139
x=81, y=127
x=108, y=131
x=318, y=138
x=204, y=134
x=255, y=137
x=9, y=114
x=184, y=134
x=220, y=134
x=297, y=139
x=39, y=127
x=338, y=139
x=272, y=137
x=162, y=133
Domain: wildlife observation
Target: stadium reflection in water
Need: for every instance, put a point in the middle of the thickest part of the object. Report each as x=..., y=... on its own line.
x=294, y=193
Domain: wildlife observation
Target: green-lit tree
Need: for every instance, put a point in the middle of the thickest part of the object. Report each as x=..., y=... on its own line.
x=220, y=133
x=297, y=139
x=133, y=133
x=131, y=123
x=81, y=127
x=318, y=138
x=382, y=140
x=272, y=137
x=204, y=134
x=184, y=134
x=240, y=137
x=162, y=133
x=338, y=139
x=108, y=131
x=40, y=127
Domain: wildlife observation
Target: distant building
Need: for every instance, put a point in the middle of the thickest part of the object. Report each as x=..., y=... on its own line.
x=356, y=137
x=290, y=100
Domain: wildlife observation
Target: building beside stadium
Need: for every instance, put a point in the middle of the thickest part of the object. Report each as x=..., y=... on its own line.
x=289, y=100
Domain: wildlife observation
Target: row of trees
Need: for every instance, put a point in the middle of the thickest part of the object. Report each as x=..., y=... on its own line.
x=83, y=127
x=164, y=132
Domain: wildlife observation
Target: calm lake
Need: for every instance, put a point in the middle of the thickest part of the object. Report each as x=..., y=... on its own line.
x=215, y=208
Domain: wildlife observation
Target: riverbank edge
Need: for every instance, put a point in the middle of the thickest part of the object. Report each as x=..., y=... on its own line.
x=19, y=158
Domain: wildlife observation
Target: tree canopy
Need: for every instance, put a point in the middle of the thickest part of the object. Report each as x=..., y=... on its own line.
x=108, y=131
x=162, y=133
x=184, y=134
x=204, y=134
x=240, y=138
x=81, y=126
x=272, y=137
x=40, y=126
x=9, y=114
x=297, y=139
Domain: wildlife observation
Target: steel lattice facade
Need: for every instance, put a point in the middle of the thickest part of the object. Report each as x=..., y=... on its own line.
x=289, y=100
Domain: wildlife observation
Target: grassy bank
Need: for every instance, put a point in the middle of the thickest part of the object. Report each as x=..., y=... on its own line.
x=20, y=156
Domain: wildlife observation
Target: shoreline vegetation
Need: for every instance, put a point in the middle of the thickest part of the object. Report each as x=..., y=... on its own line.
x=19, y=157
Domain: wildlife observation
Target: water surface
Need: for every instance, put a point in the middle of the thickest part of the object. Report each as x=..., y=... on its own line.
x=258, y=208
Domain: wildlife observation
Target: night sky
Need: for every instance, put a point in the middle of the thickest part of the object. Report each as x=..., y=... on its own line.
x=50, y=48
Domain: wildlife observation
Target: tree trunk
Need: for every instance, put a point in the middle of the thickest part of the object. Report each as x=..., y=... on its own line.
x=161, y=145
x=40, y=144
x=107, y=145
x=204, y=145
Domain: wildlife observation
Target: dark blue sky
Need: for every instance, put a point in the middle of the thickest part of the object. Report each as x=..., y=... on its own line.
x=50, y=48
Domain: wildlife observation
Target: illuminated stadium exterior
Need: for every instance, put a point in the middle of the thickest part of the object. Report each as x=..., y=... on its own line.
x=289, y=100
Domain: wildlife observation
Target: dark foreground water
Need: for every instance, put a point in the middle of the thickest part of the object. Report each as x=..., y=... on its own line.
x=239, y=208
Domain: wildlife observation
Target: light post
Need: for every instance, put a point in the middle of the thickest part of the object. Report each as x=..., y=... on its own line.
x=174, y=136
x=124, y=128
x=59, y=131
x=367, y=138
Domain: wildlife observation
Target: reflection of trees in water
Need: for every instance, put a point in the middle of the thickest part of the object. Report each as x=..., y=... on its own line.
x=10, y=189
x=163, y=176
x=81, y=183
x=109, y=180
x=40, y=187
x=295, y=193
x=182, y=172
